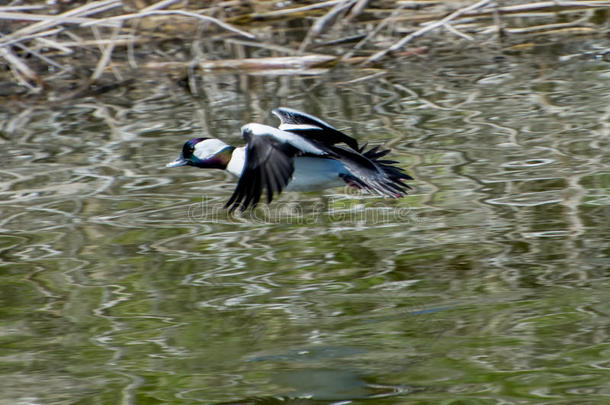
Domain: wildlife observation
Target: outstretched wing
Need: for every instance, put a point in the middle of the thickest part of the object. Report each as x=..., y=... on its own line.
x=312, y=128
x=368, y=171
x=269, y=164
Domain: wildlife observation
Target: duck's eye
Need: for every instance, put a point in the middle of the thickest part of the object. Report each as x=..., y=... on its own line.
x=187, y=150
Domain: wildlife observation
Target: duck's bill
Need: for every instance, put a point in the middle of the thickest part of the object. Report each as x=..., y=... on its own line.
x=178, y=162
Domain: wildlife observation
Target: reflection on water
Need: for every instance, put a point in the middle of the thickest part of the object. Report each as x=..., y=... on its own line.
x=126, y=281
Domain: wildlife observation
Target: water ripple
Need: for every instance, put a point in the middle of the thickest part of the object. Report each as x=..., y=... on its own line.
x=133, y=281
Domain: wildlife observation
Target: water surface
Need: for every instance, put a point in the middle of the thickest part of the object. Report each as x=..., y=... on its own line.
x=126, y=282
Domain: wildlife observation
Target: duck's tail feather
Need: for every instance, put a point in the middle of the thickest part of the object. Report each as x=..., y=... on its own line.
x=370, y=172
x=395, y=174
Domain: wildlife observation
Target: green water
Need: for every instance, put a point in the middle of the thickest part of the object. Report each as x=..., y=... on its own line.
x=122, y=281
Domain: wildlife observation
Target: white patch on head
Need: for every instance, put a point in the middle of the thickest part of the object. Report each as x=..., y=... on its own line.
x=208, y=148
x=286, y=137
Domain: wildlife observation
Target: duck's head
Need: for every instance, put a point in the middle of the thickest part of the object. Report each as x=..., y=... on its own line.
x=209, y=153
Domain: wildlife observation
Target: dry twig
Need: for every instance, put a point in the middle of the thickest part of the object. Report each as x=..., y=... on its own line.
x=323, y=23
x=144, y=14
x=429, y=27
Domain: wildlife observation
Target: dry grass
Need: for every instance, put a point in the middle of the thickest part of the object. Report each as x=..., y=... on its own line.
x=81, y=44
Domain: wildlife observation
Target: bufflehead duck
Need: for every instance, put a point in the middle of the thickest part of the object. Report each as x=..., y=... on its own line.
x=301, y=155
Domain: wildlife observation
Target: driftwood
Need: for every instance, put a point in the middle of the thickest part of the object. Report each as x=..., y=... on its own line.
x=251, y=64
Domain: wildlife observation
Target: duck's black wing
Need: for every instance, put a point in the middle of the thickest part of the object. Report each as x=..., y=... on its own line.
x=312, y=128
x=269, y=163
x=368, y=171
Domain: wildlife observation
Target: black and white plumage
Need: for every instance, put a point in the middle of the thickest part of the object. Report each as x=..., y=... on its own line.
x=303, y=154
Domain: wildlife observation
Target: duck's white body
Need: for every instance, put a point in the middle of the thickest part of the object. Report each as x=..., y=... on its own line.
x=300, y=155
x=310, y=173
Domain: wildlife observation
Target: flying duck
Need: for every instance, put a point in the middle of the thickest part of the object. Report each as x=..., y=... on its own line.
x=303, y=154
